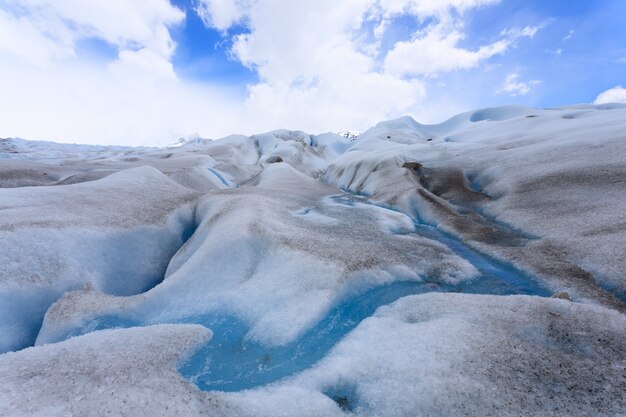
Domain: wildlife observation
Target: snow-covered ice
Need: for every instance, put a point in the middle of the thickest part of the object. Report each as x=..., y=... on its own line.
x=326, y=268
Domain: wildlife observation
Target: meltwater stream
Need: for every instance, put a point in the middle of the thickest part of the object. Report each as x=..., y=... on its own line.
x=231, y=362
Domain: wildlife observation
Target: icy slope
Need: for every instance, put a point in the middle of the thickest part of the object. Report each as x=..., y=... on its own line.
x=116, y=234
x=310, y=259
x=544, y=188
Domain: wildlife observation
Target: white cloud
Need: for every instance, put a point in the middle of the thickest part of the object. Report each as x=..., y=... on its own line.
x=435, y=49
x=51, y=93
x=525, y=32
x=317, y=71
x=90, y=104
x=53, y=27
x=437, y=52
x=429, y=7
x=569, y=35
x=319, y=65
x=221, y=14
x=313, y=73
x=141, y=66
x=21, y=38
x=513, y=86
x=616, y=94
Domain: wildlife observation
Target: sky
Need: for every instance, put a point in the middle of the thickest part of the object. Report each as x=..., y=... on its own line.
x=148, y=72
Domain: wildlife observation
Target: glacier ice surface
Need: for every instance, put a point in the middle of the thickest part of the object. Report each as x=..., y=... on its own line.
x=328, y=274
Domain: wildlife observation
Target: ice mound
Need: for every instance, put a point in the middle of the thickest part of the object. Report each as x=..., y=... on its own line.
x=116, y=234
x=119, y=372
x=457, y=355
x=499, y=113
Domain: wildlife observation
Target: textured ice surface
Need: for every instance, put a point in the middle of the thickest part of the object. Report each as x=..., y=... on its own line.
x=500, y=177
x=458, y=355
x=255, y=257
x=291, y=247
x=116, y=234
x=119, y=372
x=431, y=354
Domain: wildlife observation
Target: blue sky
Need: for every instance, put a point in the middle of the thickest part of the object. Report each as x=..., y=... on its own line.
x=150, y=71
x=572, y=67
x=203, y=53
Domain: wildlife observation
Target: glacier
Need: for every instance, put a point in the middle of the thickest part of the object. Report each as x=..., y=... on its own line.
x=474, y=267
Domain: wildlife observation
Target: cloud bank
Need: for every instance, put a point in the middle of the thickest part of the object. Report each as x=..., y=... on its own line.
x=322, y=65
x=134, y=97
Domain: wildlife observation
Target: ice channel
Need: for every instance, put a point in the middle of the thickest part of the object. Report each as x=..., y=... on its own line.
x=232, y=362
